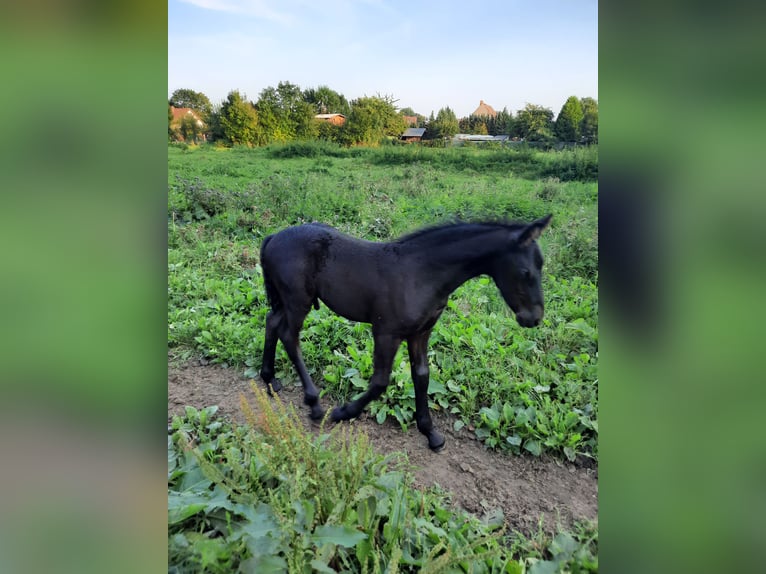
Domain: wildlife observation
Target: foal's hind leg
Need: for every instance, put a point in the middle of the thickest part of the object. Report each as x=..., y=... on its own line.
x=417, y=347
x=289, y=334
x=274, y=320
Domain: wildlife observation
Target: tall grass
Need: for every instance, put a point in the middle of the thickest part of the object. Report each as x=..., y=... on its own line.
x=270, y=497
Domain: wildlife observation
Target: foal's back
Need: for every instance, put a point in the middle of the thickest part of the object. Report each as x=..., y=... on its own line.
x=314, y=261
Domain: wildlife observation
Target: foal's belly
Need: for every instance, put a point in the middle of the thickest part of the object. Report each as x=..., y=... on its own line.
x=350, y=309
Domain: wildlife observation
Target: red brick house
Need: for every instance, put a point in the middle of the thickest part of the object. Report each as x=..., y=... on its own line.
x=186, y=115
x=335, y=119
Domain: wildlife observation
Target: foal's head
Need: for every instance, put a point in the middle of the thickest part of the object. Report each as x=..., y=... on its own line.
x=517, y=273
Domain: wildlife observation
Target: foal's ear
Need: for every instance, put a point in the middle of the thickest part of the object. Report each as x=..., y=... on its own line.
x=532, y=231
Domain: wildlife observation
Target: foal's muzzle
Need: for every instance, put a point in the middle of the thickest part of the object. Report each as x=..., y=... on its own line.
x=530, y=317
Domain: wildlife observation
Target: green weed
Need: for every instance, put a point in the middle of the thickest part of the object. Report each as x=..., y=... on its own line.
x=271, y=497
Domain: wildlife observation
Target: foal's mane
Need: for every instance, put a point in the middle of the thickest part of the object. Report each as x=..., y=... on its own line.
x=439, y=235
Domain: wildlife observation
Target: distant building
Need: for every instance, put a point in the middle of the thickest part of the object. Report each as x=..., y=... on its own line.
x=484, y=109
x=460, y=139
x=413, y=134
x=335, y=119
x=184, y=114
x=411, y=120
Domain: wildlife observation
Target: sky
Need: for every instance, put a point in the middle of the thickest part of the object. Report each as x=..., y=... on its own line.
x=427, y=54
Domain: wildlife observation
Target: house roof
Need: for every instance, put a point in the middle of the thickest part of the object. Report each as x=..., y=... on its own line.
x=327, y=116
x=484, y=109
x=181, y=113
x=480, y=138
x=413, y=132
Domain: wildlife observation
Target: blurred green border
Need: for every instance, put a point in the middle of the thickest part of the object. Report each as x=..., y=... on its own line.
x=683, y=456
x=82, y=300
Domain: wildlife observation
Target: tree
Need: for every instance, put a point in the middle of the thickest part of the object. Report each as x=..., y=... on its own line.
x=445, y=125
x=189, y=129
x=502, y=123
x=171, y=131
x=567, y=127
x=589, y=122
x=199, y=102
x=239, y=120
x=534, y=123
x=372, y=118
x=284, y=115
x=326, y=101
x=421, y=120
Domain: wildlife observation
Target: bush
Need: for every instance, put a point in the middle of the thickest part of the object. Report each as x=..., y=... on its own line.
x=306, y=149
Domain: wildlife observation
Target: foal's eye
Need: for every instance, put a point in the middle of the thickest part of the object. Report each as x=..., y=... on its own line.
x=526, y=274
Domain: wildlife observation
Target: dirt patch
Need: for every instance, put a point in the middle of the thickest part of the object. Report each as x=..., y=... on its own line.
x=524, y=487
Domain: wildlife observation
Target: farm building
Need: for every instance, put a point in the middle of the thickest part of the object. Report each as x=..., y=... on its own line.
x=413, y=134
x=484, y=109
x=182, y=118
x=460, y=139
x=335, y=119
x=411, y=120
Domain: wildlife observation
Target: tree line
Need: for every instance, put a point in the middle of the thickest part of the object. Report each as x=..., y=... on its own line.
x=287, y=113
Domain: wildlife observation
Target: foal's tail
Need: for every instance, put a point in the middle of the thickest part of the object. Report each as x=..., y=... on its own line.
x=272, y=295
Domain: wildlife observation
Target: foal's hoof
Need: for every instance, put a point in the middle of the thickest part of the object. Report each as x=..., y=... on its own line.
x=317, y=413
x=436, y=441
x=274, y=386
x=339, y=414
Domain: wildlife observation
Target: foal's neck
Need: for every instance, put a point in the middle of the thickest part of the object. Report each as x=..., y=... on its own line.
x=455, y=262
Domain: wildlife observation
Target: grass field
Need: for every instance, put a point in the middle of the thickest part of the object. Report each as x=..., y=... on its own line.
x=521, y=390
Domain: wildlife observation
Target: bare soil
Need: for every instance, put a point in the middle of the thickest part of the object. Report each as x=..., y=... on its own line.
x=526, y=488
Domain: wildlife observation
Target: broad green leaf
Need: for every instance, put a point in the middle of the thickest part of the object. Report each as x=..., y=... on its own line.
x=453, y=386
x=434, y=386
x=507, y=412
x=494, y=518
x=491, y=416
x=458, y=424
x=515, y=440
x=260, y=521
x=339, y=535
x=264, y=565
x=533, y=446
x=172, y=455
x=581, y=326
x=182, y=505
x=320, y=566
x=563, y=545
x=252, y=372
x=544, y=567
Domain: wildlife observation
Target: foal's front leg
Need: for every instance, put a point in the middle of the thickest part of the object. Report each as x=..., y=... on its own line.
x=385, y=351
x=417, y=347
